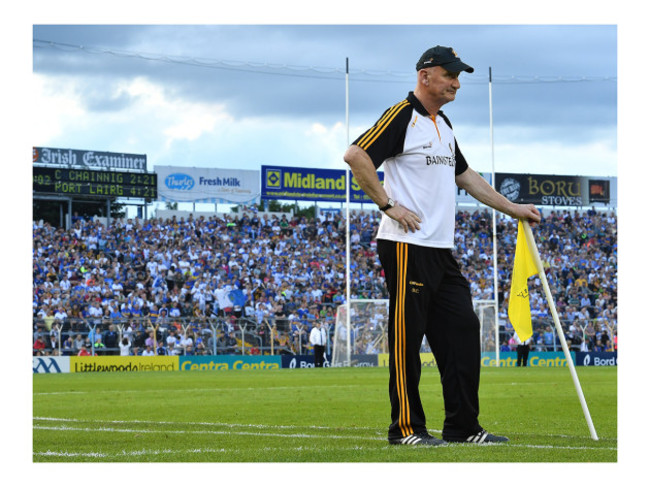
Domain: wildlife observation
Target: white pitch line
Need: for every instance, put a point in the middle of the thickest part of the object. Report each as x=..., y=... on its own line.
x=60, y=393
x=202, y=423
x=215, y=389
x=139, y=453
x=378, y=432
x=187, y=432
x=301, y=435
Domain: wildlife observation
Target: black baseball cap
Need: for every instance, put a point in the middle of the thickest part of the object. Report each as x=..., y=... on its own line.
x=442, y=56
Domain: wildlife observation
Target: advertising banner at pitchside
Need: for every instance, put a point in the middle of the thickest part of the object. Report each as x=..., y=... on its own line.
x=229, y=362
x=596, y=359
x=302, y=361
x=302, y=183
x=117, y=363
x=427, y=359
x=506, y=359
x=535, y=359
x=51, y=365
x=207, y=185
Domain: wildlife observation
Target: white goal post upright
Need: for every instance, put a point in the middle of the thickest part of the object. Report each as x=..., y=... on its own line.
x=494, y=231
x=348, y=175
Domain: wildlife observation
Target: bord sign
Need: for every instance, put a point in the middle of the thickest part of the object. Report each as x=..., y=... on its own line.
x=302, y=361
x=597, y=359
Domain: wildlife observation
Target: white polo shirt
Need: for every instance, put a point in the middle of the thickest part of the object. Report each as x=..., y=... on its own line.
x=421, y=160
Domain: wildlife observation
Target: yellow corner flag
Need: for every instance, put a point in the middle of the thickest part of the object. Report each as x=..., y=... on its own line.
x=519, y=304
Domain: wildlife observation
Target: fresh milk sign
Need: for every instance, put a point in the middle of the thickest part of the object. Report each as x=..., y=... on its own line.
x=207, y=185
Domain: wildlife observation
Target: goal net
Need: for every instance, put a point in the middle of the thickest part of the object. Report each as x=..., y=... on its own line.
x=485, y=310
x=368, y=327
x=367, y=331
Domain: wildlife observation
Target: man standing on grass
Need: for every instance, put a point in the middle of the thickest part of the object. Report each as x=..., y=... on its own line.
x=318, y=338
x=428, y=294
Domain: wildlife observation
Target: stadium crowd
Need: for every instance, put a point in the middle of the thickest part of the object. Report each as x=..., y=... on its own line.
x=158, y=286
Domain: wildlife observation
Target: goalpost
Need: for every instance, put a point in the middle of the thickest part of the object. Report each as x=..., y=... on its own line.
x=487, y=313
x=367, y=332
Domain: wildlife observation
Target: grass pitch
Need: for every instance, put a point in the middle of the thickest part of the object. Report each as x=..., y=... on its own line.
x=310, y=415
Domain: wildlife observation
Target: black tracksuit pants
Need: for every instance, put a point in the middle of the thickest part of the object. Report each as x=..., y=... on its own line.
x=319, y=355
x=430, y=297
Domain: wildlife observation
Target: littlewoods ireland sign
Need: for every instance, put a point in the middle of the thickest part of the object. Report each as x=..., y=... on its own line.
x=89, y=159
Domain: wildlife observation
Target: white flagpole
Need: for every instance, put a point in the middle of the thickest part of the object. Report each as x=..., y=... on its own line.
x=497, y=344
x=347, y=216
x=542, y=275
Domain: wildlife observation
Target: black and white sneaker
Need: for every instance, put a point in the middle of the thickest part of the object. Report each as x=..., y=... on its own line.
x=418, y=439
x=482, y=437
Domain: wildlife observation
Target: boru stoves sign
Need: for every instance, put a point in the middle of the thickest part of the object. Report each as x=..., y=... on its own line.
x=542, y=189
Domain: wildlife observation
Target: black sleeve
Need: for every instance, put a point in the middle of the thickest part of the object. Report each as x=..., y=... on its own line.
x=461, y=162
x=385, y=138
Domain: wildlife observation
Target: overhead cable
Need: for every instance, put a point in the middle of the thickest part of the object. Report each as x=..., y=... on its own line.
x=318, y=72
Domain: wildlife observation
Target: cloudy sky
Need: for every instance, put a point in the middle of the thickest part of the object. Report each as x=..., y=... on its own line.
x=240, y=96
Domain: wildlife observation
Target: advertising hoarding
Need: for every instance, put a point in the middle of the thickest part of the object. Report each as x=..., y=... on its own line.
x=302, y=183
x=207, y=185
x=89, y=159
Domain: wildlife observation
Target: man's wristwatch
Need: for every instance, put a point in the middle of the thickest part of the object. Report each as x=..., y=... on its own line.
x=388, y=205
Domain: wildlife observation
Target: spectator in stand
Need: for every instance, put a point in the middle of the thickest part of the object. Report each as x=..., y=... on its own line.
x=230, y=344
x=150, y=341
x=78, y=343
x=549, y=339
x=110, y=340
x=39, y=345
x=170, y=341
x=68, y=346
x=83, y=352
x=60, y=314
x=199, y=346
x=55, y=335
x=99, y=346
x=187, y=341
x=125, y=347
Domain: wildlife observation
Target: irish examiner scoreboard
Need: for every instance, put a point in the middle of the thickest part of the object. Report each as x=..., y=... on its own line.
x=91, y=182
